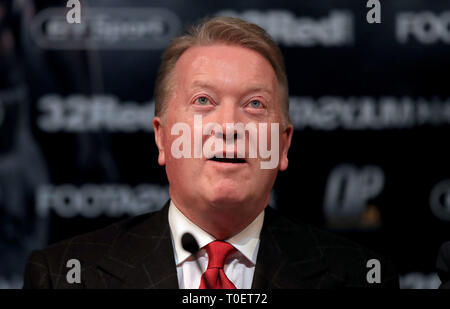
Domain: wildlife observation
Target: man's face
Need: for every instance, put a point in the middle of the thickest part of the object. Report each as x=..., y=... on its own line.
x=223, y=84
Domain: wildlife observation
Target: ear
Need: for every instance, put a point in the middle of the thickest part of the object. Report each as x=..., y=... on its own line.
x=159, y=139
x=286, y=138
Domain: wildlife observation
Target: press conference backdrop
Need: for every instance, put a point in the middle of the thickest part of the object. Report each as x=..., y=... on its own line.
x=369, y=103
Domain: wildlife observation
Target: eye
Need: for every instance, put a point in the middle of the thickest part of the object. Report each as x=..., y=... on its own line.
x=202, y=100
x=255, y=104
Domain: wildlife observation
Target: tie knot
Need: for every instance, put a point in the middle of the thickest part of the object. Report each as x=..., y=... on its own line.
x=218, y=252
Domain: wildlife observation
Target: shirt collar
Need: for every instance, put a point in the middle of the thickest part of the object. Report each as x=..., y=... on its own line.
x=246, y=241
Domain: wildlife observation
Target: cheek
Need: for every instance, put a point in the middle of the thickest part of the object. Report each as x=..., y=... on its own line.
x=188, y=171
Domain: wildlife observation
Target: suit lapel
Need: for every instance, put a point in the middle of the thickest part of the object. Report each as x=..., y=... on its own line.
x=289, y=257
x=142, y=255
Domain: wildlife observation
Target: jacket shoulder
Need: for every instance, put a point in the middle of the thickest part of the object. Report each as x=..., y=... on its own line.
x=345, y=259
x=46, y=267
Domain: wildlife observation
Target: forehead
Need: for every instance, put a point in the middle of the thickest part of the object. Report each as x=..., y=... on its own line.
x=228, y=67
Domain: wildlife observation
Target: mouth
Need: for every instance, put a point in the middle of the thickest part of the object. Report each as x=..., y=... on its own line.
x=228, y=160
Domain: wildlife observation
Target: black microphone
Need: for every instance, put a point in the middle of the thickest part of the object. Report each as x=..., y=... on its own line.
x=190, y=244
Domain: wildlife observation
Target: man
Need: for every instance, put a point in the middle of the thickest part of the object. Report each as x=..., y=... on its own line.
x=224, y=72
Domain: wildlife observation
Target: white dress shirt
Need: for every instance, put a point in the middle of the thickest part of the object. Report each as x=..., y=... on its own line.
x=239, y=266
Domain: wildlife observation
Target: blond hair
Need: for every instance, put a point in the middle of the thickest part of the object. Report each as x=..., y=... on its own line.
x=227, y=30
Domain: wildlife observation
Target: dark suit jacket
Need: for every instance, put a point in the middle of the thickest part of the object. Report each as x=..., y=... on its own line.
x=138, y=253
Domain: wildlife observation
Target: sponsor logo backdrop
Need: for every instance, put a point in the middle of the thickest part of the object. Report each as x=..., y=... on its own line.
x=370, y=104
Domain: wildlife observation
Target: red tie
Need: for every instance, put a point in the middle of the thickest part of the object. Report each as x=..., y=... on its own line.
x=214, y=277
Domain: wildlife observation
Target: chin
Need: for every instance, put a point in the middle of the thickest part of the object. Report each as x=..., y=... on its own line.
x=227, y=197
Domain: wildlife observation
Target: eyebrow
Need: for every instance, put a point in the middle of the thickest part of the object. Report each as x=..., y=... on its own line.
x=204, y=84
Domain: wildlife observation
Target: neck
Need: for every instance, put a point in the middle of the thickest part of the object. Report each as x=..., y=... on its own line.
x=221, y=221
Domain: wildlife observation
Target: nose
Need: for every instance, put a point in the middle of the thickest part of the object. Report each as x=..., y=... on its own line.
x=227, y=117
